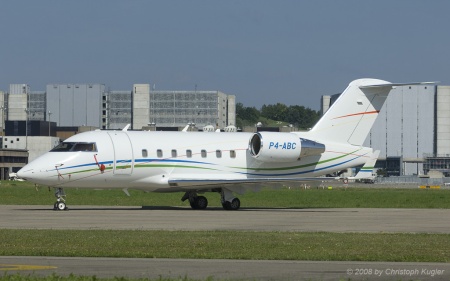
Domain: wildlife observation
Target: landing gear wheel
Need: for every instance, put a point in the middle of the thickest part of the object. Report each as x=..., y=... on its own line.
x=233, y=205
x=226, y=205
x=60, y=206
x=199, y=203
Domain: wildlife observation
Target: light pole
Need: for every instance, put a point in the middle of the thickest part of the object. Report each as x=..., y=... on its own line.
x=49, y=124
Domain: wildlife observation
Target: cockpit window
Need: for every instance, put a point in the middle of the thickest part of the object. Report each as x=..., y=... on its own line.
x=75, y=146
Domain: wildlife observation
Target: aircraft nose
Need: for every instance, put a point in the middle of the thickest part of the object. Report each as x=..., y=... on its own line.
x=25, y=173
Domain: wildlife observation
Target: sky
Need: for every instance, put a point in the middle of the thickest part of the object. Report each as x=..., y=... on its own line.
x=264, y=52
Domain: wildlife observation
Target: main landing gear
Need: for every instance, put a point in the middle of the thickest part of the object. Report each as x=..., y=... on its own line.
x=229, y=202
x=197, y=202
x=60, y=204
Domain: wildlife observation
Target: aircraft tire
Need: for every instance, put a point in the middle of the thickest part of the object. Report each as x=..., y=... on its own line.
x=226, y=205
x=61, y=206
x=234, y=205
x=201, y=202
x=193, y=205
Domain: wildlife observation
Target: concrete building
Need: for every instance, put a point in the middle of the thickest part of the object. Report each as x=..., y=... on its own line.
x=117, y=109
x=174, y=109
x=18, y=102
x=36, y=146
x=11, y=160
x=141, y=105
x=75, y=104
x=443, y=121
x=202, y=108
x=405, y=127
x=3, y=109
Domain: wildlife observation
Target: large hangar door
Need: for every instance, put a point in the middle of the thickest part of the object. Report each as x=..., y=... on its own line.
x=123, y=153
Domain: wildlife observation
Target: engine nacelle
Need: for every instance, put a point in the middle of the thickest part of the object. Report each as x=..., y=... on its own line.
x=282, y=147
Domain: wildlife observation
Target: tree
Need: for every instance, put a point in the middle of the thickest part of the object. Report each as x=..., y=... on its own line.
x=297, y=115
x=246, y=116
x=277, y=112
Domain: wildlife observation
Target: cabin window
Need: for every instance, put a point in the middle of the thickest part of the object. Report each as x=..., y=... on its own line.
x=218, y=153
x=144, y=153
x=203, y=153
x=174, y=153
x=189, y=153
x=159, y=153
x=75, y=146
x=232, y=154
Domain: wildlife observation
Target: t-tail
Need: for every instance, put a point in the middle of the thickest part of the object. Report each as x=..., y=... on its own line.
x=351, y=117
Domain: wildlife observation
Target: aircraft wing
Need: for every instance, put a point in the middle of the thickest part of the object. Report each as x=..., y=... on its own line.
x=200, y=183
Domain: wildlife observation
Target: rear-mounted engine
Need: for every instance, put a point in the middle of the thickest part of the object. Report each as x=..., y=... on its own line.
x=282, y=147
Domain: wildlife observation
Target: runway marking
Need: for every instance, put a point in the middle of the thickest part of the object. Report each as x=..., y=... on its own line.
x=7, y=267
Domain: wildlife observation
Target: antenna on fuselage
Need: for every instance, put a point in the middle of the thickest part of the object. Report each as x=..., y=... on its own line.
x=126, y=127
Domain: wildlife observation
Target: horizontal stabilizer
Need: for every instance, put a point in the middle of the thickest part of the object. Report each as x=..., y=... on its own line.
x=397, y=84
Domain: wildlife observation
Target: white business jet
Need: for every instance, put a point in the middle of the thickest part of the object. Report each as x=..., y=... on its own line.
x=226, y=163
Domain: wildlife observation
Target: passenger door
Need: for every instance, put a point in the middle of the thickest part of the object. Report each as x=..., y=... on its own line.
x=123, y=153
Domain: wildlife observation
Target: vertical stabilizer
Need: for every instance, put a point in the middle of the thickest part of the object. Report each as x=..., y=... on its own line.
x=351, y=117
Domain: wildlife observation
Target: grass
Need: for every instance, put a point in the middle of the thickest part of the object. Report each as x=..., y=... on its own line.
x=24, y=193
x=322, y=246
x=72, y=277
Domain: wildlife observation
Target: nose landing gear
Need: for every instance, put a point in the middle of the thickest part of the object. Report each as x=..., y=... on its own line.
x=60, y=204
